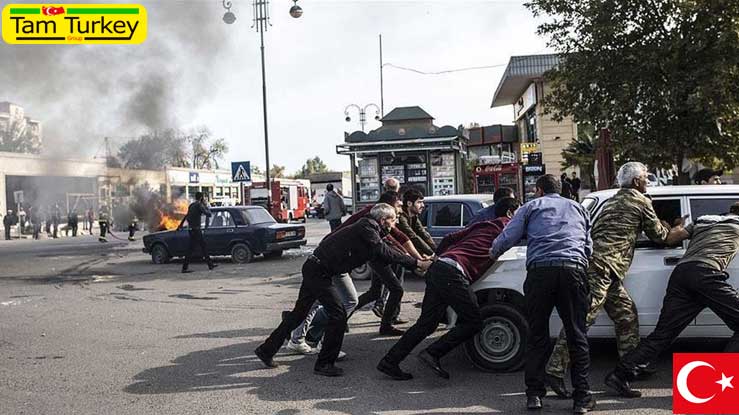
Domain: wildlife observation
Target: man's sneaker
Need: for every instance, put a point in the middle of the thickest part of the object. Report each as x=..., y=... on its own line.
x=377, y=310
x=299, y=348
x=328, y=370
x=266, y=359
x=394, y=371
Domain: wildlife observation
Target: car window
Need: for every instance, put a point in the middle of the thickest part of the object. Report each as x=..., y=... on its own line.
x=466, y=215
x=704, y=206
x=425, y=214
x=669, y=211
x=589, y=203
x=486, y=203
x=254, y=216
x=221, y=219
x=446, y=214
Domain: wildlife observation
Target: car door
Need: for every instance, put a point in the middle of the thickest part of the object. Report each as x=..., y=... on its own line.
x=219, y=233
x=444, y=218
x=646, y=280
x=708, y=322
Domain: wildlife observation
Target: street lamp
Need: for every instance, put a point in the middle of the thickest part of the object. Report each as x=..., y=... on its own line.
x=362, y=113
x=261, y=22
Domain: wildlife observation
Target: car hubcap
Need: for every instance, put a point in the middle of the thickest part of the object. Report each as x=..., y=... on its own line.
x=240, y=254
x=499, y=340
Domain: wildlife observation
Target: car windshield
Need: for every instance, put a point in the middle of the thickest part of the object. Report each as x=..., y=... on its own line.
x=253, y=216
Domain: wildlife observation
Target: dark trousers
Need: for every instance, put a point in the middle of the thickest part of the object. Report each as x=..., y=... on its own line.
x=446, y=287
x=55, y=229
x=692, y=287
x=74, y=230
x=7, y=233
x=196, y=241
x=380, y=303
x=103, y=228
x=36, y=230
x=382, y=274
x=317, y=285
x=334, y=223
x=566, y=289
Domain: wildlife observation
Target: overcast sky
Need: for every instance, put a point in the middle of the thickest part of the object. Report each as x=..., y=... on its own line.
x=195, y=70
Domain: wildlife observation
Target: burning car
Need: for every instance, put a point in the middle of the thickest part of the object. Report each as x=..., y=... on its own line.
x=241, y=232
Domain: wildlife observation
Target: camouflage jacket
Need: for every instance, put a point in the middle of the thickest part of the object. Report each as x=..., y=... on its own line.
x=617, y=228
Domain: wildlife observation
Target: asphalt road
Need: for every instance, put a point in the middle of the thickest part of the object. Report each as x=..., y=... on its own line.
x=104, y=330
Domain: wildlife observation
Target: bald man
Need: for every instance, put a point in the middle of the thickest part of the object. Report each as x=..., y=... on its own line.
x=391, y=185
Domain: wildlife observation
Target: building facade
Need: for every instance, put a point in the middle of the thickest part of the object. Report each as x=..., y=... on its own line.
x=15, y=125
x=523, y=86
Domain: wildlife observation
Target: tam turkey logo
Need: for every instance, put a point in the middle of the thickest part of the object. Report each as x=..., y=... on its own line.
x=51, y=10
x=703, y=383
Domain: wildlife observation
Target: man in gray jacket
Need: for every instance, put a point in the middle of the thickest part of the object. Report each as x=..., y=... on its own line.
x=333, y=207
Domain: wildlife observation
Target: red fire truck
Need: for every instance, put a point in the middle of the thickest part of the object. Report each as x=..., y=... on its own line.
x=290, y=198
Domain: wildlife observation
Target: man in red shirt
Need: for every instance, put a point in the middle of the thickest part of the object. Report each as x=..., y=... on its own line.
x=463, y=257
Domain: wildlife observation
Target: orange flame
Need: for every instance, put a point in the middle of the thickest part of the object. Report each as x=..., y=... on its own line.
x=170, y=220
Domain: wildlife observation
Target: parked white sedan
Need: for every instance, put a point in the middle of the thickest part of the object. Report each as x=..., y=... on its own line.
x=501, y=344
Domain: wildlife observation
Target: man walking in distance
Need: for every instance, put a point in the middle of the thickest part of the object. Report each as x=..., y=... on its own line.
x=410, y=224
x=557, y=231
x=614, y=234
x=698, y=282
x=576, y=183
x=338, y=253
x=463, y=259
x=195, y=211
x=103, y=223
x=333, y=207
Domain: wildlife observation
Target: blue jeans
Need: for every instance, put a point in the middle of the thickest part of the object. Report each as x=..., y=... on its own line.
x=317, y=317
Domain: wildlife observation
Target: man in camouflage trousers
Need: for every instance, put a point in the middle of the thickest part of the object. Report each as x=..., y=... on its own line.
x=614, y=234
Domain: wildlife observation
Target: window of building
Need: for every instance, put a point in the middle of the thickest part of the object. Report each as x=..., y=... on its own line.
x=477, y=151
x=529, y=125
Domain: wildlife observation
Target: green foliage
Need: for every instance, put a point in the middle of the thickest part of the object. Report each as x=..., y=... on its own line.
x=157, y=150
x=276, y=171
x=311, y=166
x=663, y=75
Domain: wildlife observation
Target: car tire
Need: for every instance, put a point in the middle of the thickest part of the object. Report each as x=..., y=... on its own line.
x=273, y=254
x=159, y=254
x=361, y=273
x=241, y=254
x=501, y=344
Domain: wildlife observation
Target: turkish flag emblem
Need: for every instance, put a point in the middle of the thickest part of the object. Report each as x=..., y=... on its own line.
x=703, y=383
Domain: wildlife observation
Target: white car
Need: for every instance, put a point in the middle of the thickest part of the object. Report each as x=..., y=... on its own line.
x=501, y=344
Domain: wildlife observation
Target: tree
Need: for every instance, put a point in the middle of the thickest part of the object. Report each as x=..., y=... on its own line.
x=16, y=137
x=154, y=151
x=662, y=75
x=206, y=151
x=581, y=153
x=276, y=171
x=311, y=166
x=256, y=170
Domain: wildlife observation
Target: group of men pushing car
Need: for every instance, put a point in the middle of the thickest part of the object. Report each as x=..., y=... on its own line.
x=571, y=265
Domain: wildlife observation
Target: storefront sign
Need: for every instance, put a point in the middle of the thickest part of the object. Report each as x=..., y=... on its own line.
x=194, y=177
x=526, y=101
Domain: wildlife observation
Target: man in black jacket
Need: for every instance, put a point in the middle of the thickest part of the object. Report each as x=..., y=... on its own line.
x=338, y=253
x=195, y=211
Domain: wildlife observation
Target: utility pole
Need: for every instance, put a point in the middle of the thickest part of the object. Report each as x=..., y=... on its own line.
x=382, y=95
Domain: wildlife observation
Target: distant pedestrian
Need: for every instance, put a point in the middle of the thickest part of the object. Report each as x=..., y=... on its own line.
x=333, y=207
x=103, y=223
x=195, y=211
x=575, y=182
x=36, y=222
x=8, y=222
x=566, y=187
x=22, y=220
x=72, y=222
x=90, y=219
x=56, y=217
x=132, y=227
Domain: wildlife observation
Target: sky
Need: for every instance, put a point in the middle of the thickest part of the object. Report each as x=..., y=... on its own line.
x=194, y=70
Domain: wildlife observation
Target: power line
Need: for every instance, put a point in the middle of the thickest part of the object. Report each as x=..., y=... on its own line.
x=470, y=68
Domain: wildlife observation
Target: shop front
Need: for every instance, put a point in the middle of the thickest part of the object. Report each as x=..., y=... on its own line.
x=410, y=148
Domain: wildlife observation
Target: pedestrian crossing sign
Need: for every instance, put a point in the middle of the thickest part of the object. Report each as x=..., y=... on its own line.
x=241, y=171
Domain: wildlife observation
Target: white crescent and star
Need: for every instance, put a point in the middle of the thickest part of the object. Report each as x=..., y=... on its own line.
x=682, y=382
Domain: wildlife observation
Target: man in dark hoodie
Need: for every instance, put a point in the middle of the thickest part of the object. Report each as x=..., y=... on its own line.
x=338, y=253
x=333, y=207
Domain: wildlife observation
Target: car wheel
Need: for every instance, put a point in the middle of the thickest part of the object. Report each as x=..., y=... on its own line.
x=159, y=254
x=241, y=254
x=361, y=273
x=501, y=344
x=273, y=254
